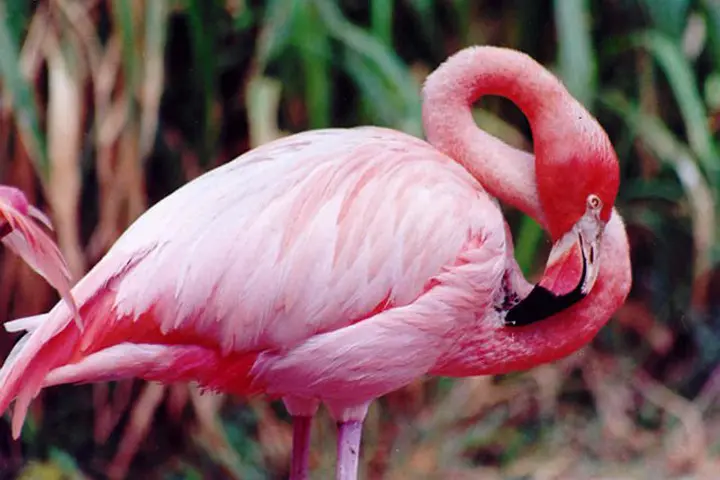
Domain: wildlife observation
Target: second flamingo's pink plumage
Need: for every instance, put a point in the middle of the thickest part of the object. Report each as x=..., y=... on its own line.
x=335, y=266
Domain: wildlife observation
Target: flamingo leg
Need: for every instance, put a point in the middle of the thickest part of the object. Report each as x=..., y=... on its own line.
x=301, y=447
x=348, y=449
x=302, y=411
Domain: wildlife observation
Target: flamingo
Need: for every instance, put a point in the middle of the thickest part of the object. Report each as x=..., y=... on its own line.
x=334, y=266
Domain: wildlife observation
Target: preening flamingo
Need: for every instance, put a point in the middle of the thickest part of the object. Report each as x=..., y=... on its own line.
x=335, y=266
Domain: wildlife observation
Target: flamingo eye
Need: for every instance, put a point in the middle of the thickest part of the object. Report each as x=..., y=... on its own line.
x=594, y=202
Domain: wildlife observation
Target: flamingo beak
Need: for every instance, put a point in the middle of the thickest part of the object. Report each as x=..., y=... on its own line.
x=572, y=269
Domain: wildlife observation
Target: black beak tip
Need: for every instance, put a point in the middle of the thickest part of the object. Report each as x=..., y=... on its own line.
x=539, y=305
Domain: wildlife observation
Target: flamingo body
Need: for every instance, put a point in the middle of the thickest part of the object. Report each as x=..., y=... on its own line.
x=310, y=235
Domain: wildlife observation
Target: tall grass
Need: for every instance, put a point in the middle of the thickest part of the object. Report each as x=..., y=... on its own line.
x=108, y=106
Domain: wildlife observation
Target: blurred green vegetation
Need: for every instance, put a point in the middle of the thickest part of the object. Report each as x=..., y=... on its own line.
x=108, y=106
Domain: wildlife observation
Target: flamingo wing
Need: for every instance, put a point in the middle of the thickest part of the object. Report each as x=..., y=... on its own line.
x=300, y=237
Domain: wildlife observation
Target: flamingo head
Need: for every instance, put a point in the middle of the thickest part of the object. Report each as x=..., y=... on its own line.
x=577, y=180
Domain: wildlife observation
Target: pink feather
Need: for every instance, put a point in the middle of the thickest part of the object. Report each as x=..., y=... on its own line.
x=24, y=237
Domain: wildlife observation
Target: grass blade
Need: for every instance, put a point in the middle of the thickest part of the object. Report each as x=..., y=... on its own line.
x=381, y=16
x=314, y=47
x=577, y=61
x=124, y=17
x=381, y=62
x=276, y=31
x=528, y=239
x=201, y=13
x=18, y=15
x=669, y=16
x=23, y=103
x=658, y=139
x=711, y=9
x=682, y=80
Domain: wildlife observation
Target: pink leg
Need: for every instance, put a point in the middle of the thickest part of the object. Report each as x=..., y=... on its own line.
x=301, y=447
x=348, y=449
x=302, y=411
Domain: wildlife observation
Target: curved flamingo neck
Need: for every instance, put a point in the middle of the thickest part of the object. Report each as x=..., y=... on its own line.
x=560, y=126
x=449, y=93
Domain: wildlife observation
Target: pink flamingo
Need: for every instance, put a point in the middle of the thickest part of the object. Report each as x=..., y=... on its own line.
x=335, y=266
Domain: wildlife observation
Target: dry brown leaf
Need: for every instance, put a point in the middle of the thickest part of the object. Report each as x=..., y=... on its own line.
x=469, y=398
x=262, y=102
x=108, y=412
x=31, y=55
x=613, y=401
x=687, y=444
x=130, y=175
x=210, y=434
x=178, y=398
x=136, y=430
x=544, y=465
x=110, y=120
x=64, y=131
x=637, y=316
x=422, y=463
x=274, y=436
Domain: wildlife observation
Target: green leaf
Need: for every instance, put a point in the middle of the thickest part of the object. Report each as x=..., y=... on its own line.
x=202, y=13
x=681, y=77
x=528, y=239
x=658, y=139
x=66, y=463
x=424, y=11
x=244, y=18
x=18, y=14
x=711, y=10
x=14, y=82
x=124, y=17
x=381, y=62
x=652, y=189
x=276, y=30
x=372, y=86
x=529, y=26
x=577, y=61
x=712, y=91
x=669, y=16
x=381, y=16
x=313, y=43
x=462, y=14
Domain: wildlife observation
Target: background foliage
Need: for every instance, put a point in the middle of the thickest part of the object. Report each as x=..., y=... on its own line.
x=106, y=106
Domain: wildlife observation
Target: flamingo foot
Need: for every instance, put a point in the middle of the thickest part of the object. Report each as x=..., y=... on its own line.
x=301, y=447
x=348, y=449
